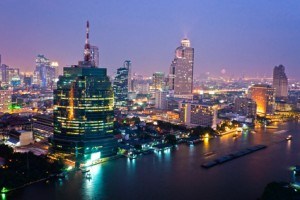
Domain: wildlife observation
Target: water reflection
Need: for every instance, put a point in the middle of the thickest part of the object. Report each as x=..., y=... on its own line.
x=131, y=163
x=161, y=171
x=288, y=145
x=206, y=144
x=3, y=196
x=167, y=155
x=93, y=186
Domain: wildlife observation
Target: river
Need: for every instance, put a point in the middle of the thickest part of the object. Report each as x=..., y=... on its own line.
x=177, y=174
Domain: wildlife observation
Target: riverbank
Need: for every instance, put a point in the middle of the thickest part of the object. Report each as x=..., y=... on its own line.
x=161, y=172
x=22, y=169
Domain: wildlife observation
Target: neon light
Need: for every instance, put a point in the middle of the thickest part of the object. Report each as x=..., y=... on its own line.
x=4, y=190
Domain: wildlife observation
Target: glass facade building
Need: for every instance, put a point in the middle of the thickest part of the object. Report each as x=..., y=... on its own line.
x=181, y=69
x=280, y=82
x=121, y=85
x=83, y=114
x=264, y=97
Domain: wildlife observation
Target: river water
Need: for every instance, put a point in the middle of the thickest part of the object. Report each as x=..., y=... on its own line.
x=177, y=174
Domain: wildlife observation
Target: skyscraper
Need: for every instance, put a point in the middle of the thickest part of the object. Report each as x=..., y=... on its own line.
x=158, y=81
x=161, y=99
x=122, y=84
x=83, y=113
x=5, y=99
x=181, y=69
x=263, y=95
x=245, y=106
x=8, y=73
x=280, y=82
x=44, y=73
x=127, y=64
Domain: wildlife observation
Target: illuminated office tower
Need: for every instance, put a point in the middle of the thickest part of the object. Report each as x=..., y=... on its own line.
x=95, y=55
x=5, y=100
x=45, y=72
x=122, y=83
x=8, y=73
x=245, y=106
x=83, y=113
x=158, y=81
x=127, y=65
x=161, y=99
x=263, y=95
x=181, y=69
x=280, y=82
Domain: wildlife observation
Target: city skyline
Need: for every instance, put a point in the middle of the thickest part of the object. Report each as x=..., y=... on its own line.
x=228, y=36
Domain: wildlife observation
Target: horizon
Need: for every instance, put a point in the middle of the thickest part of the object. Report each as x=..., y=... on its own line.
x=233, y=38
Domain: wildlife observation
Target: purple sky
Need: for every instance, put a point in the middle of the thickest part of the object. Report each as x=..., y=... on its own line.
x=241, y=36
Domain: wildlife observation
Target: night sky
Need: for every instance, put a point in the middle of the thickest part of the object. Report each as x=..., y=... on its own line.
x=242, y=36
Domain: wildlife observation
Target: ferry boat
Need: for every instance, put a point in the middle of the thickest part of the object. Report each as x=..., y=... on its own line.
x=209, y=153
x=289, y=137
x=131, y=155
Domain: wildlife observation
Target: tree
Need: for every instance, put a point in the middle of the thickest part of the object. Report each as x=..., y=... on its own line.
x=171, y=139
x=6, y=151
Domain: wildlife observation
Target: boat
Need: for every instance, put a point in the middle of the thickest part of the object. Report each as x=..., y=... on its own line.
x=224, y=159
x=233, y=155
x=253, y=132
x=209, y=164
x=209, y=153
x=131, y=155
x=289, y=137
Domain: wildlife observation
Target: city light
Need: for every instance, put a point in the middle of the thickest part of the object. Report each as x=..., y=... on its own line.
x=147, y=107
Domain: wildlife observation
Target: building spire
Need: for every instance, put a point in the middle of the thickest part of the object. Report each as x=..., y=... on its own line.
x=87, y=48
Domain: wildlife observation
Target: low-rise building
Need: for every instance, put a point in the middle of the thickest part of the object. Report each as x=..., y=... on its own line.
x=42, y=126
x=198, y=114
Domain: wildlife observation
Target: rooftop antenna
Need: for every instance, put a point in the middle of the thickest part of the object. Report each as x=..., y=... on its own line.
x=87, y=47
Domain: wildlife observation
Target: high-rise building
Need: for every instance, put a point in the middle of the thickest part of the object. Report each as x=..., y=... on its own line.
x=5, y=99
x=127, y=64
x=45, y=73
x=8, y=73
x=280, y=82
x=121, y=85
x=263, y=95
x=158, y=81
x=141, y=86
x=27, y=80
x=181, y=69
x=95, y=55
x=245, y=106
x=161, y=99
x=83, y=113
